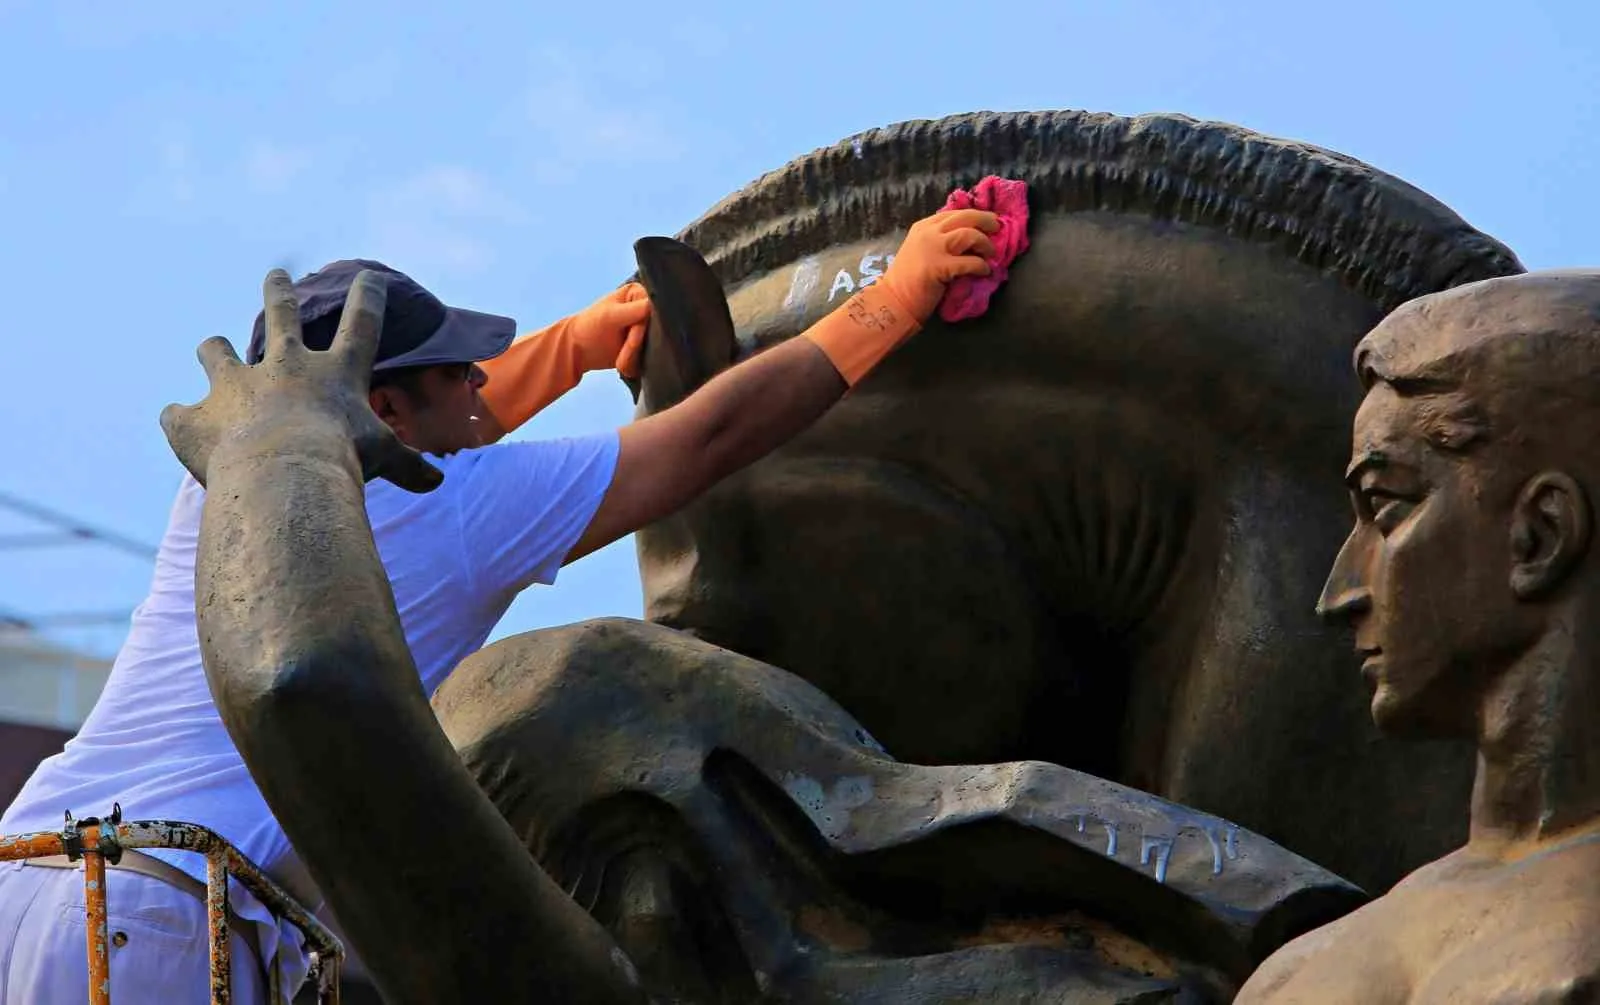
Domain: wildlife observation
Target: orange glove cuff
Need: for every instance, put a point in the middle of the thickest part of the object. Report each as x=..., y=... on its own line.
x=533, y=372
x=859, y=334
x=541, y=366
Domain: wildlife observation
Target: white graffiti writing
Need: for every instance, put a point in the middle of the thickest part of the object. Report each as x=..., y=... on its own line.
x=865, y=274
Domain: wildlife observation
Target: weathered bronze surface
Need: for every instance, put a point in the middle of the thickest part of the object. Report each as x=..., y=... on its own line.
x=1473, y=587
x=1019, y=580
x=1088, y=528
x=744, y=839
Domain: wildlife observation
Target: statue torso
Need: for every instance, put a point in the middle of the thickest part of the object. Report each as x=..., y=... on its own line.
x=1465, y=929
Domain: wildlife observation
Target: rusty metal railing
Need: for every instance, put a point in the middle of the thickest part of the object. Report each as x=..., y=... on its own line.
x=98, y=842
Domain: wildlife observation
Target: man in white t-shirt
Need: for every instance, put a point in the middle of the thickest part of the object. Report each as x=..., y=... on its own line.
x=457, y=558
x=505, y=517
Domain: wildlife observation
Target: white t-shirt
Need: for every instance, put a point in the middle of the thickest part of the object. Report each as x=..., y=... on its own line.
x=503, y=519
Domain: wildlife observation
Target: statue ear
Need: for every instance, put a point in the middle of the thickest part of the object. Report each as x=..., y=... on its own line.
x=691, y=337
x=1550, y=528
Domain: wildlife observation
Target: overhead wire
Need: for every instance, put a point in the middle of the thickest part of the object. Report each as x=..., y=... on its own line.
x=67, y=531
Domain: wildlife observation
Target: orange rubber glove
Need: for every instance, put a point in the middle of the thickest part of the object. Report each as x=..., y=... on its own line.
x=541, y=366
x=937, y=249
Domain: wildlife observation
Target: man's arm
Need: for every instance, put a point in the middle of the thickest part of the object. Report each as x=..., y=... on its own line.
x=543, y=365
x=739, y=416
x=751, y=409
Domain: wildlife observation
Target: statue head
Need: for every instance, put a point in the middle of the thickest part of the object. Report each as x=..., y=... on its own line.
x=1090, y=526
x=1472, y=474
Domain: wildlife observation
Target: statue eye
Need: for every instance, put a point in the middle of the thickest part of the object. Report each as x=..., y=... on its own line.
x=1387, y=510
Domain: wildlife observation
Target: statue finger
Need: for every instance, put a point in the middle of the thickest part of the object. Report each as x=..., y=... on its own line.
x=183, y=427
x=356, y=343
x=282, y=316
x=406, y=468
x=217, y=357
x=172, y=421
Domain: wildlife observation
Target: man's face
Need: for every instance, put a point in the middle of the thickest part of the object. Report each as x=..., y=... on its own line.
x=437, y=410
x=1424, y=576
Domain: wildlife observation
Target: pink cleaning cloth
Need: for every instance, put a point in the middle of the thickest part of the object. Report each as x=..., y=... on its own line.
x=968, y=296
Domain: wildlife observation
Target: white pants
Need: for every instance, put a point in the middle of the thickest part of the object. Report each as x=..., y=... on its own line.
x=159, y=950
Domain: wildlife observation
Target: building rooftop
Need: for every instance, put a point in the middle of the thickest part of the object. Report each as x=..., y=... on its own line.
x=44, y=683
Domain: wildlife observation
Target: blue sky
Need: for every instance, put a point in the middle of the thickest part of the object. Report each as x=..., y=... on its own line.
x=156, y=159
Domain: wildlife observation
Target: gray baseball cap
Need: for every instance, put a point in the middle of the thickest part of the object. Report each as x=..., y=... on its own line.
x=418, y=328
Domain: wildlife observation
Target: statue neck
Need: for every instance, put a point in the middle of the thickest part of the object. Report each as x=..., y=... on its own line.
x=1539, y=742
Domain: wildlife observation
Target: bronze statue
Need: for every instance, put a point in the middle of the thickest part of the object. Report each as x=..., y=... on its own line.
x=743, y=839
x=717, y=830
x=1473, y=586
x=1089, y=527
x=1088, y=533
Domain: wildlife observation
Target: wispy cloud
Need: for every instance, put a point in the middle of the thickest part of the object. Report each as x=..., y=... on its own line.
x=598, y=110
x=270, y=167
x=176, y=170
x=364, y=80
x=115, y=24
x=697, y=37
x=433, y=220
x=455, y=190
x=169, y=179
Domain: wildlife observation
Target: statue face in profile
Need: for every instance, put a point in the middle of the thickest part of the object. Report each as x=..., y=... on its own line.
x=1422, y=577
x=1470, y=509
x=1475, y=604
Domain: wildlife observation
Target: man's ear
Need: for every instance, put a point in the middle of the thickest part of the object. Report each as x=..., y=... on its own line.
x=1550, y=528
x=387, y=404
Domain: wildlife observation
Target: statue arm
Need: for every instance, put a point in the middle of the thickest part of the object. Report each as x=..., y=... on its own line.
x=304, y=653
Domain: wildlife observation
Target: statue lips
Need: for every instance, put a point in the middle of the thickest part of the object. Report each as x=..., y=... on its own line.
x=1371, y=664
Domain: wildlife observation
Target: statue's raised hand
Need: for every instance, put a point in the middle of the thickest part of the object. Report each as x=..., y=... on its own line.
x=297, y=402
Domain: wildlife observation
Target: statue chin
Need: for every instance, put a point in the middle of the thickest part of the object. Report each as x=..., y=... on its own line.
x=1402, y=716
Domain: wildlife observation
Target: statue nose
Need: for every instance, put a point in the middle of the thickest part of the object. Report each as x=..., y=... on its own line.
x=1345, y=595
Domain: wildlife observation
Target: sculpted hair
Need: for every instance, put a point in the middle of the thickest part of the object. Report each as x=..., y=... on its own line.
x=1379, y=235
x=1451, y=416
x=1544, y=385
x=1519, y=352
